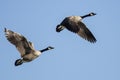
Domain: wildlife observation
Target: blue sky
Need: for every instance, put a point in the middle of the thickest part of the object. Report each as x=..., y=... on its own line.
x=73, y=58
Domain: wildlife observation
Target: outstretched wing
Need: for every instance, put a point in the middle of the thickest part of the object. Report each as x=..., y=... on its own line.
x=81, y=29
x=85, y=33
x=19, y=41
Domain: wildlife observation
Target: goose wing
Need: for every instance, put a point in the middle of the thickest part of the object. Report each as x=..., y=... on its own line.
x=20, y=42
x=81, y=29
x=85, y=33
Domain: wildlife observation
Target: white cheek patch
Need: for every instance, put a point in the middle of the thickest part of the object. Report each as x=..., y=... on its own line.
x=61, y=27
x=91, y=14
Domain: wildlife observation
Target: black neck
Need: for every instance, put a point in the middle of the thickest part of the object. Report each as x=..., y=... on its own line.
x=85, y=16
x=44, y=50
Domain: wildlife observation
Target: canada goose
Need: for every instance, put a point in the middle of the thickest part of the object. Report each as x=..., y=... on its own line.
x=25, y=47
x=75, y=24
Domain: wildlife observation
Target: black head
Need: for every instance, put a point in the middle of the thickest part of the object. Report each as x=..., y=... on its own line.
x=92, y=14
x=50, y=47
x=59, y=28
x=88, y=15
x=46, y=49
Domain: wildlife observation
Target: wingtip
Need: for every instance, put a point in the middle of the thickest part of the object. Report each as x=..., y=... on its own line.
x=93, y=41
x=90, y=38
x=5, y=29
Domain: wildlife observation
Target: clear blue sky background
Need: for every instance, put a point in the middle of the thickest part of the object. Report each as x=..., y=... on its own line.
x=73, y=58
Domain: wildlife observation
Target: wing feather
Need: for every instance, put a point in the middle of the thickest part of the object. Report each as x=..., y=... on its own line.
x=85, y=33
x=19, y=41
x=81, y=29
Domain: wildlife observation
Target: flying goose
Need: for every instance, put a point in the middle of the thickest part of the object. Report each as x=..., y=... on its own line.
x=25, y=47
x=75, y=24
